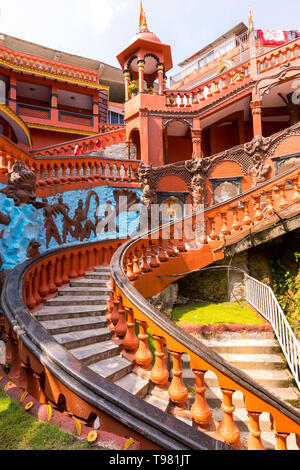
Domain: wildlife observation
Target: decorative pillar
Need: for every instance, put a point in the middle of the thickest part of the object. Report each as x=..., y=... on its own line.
x=127, y=83
x=128, y=149
x=197, y=140
x=160, y=71
x=256, y=108
x=141, y=66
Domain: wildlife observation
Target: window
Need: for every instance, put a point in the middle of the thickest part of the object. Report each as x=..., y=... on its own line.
x=115, y=118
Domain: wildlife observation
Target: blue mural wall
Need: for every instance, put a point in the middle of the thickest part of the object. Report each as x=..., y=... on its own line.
x=28, y=223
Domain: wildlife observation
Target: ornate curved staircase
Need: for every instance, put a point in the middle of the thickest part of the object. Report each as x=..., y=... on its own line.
x=66, y=332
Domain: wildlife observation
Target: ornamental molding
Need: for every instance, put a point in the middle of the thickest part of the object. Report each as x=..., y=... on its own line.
x=53, y=76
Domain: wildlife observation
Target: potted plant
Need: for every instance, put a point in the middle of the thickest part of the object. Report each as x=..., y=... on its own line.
x=133, y=88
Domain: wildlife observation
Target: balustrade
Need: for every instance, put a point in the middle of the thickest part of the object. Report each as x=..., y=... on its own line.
x=223, y=223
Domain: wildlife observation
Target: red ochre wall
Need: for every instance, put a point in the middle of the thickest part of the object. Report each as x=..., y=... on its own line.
x=179, y=149
x=271, y=127
x=42, y=139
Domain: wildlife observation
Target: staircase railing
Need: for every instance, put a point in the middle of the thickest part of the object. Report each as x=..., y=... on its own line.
x=263, y=299
x=138, y=270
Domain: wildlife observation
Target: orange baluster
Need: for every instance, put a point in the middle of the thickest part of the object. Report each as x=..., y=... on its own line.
x=115, y=312
x=161, y=252
x=254, y=441
x=73, y=273
x=143, y=356
x=247, y=219
x=130, y=342
x=121, y=326
x=295, y=183
x=270, y=208
x=236, y=224
x=282, y=200
x=153, y=261
x=44, y=289
x=224, y=230
x=136, y=265
x=159, y=374
x=258, y=215
x=65, y=270
x=201, y=413
x=51, y=273
x=58, y=277
x=228, y=429
x=145, y=268
x=31, y=302
x=35, y=287
x=178, y=392
x=213, y=234
x=129, y=269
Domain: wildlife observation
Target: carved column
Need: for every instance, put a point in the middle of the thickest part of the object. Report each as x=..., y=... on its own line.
x=197, y=141
x=141, y=66
x=127, y=83
x=160, y=71
x=256, y=108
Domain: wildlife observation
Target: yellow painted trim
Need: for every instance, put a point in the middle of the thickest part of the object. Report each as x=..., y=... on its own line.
x=54, y=76
x=12, y=115
x=60, y=129
x=224, y=65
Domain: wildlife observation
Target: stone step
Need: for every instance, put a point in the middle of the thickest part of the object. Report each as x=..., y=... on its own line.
x=255, y=361
x=71, y=311
x=158, y=402
x=97, y=276
x=113, y=369
x=102, y=269
x=62, y=300
x=134, y=384
x=244, y=346
x=96, y=352
x=83, y=338
x=56, y=327
x=85, y=291
x=267, y=378
x=90, y=283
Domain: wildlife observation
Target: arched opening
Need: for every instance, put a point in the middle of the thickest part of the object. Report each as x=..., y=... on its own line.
x=135, y=143
x=178, y=145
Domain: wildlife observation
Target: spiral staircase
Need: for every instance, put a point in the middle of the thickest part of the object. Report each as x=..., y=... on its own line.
x=73, y=323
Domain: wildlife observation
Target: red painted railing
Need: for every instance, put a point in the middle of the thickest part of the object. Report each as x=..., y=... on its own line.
x=209, y=91
x=109, y=136
x=279, y=56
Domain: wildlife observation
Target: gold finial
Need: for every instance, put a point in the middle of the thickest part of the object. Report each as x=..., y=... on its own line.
x=143, y=21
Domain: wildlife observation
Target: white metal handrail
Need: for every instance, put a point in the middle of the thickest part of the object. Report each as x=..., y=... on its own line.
x=263, y=299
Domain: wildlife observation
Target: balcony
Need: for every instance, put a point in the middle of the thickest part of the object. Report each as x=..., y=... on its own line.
x=34, y=115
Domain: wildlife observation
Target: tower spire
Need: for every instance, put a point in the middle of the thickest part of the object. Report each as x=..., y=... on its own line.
x=143, y=21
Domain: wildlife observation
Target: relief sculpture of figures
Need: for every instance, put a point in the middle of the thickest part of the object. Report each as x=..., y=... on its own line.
x=146, y=177
x=50, y=212
x=22, y=186
x=259, y=171
x=199, y=168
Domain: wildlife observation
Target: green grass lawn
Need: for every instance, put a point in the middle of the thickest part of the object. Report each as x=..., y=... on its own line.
x=206, y=313
x=20, y=431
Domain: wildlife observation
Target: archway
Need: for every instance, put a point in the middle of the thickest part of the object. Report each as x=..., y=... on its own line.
x=178, y=145
x=135, y=140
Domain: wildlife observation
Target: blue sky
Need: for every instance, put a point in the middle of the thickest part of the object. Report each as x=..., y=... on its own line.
x=100, y=29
